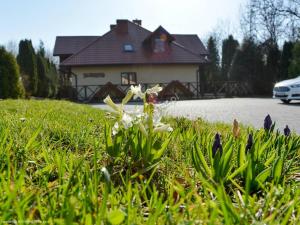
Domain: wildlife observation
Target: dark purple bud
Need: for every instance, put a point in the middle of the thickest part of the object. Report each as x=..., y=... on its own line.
x=249, y=142
x=217, y=145
x=268, y=122
x=287, y=131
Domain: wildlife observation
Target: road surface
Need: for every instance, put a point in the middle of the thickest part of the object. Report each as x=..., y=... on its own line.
x=249, y=111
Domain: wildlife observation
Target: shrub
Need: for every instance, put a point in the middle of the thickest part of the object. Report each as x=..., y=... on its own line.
x=27, y=62
x=10, y=83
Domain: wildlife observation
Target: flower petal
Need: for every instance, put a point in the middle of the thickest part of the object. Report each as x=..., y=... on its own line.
x=110, y=103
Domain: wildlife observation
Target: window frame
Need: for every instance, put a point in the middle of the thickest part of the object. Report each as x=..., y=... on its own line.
x=128, y=75
x=159, y=45
x=128, y=50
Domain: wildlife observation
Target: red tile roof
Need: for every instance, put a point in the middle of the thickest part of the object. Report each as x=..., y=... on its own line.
x=108, y=49
x=191, y=42
x=68, y=45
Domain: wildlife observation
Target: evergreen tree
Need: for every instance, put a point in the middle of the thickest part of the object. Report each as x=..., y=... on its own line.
x=41, y=49
x=285, y=60
x=47, y=75
x=43, y=81
x=294, y=68
x=213, y=69
x=27, y=62
x=10, y=82
x=54, y=78
x=229, y=49
x=248, y=66
x=271, y=71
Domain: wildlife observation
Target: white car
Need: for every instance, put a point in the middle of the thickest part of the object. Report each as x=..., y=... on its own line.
x=287, y=90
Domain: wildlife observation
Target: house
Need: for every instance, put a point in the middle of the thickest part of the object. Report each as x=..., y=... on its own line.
x=129, y=54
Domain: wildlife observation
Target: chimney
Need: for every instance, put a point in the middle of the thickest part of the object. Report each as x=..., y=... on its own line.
x=122, y=26
x=137, y=22
x=112, y=26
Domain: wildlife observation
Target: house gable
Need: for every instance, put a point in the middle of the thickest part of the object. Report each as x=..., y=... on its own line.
x=109, y=48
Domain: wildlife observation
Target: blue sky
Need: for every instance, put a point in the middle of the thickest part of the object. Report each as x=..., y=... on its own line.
x=46, y=19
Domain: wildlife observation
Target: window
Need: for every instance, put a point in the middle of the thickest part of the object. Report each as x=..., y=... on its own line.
x=159, y=45
x=128, y=78
x=93, y=75
x=128, y=48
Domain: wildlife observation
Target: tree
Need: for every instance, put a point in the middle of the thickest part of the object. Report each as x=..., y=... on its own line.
x=12, y=47
x=229, y=49
x=248, y=21
x=27, y=62
x=294, y=68
x=272, y=65
x=47, y=74
x=54, y=78
x=214, y=66
x=247, y=66
x=271, y=19
x=41, y=49
x=270, y=22
x=43, y=81
x=10, y=82
x=291, y=8
x=285, y=60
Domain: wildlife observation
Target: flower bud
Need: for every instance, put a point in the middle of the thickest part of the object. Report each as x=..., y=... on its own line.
x=249, y=142
x=217, y=145
x=268, y=122
x=287, y=131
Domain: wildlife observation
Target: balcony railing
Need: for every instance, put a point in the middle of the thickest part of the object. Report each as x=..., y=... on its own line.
x=88, y=93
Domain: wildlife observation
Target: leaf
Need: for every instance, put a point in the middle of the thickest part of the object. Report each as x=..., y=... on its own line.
x=217, y=173
x=238, y=170
x=115, y=217
x=278, y=169
x=263, y=176
x=159, y=153
x=226, y=161
x=200, y=157
x=241, y=154
x=32, y=139
x=270, y=160
x=88, y=219
x=264, y=147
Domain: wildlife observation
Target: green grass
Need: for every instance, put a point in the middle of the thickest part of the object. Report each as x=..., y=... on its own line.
x=52, y=154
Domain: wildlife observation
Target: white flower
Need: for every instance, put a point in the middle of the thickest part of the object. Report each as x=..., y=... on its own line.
x=159, y=112
x=22, y=119
x=115, y=129
x=154, y=90
x=162, y=128
x=170, y=129
x=137, y=92
x=110, y=103
x=143, y=129
x=127, y=97
x=156, y=118
x=106, y=174
x=127, y=120
x=137, y=114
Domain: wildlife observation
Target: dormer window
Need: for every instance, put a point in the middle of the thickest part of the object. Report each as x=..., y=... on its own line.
x=128, y=48
x=158, y=41
x=159, y=45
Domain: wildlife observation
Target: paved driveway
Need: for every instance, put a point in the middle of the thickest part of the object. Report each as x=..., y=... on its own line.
x=249, y=111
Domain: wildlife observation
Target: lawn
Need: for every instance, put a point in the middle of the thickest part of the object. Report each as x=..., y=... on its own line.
x=61, y=164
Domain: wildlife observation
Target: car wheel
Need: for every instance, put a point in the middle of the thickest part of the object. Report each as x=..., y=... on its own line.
x=285, y=101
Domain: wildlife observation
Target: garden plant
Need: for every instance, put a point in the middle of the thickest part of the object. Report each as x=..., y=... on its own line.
x=65, y=163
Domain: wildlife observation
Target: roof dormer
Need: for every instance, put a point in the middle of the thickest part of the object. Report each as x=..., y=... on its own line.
x=159, y=40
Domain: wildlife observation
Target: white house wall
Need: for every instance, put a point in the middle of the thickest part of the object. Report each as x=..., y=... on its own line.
x=145, y=74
